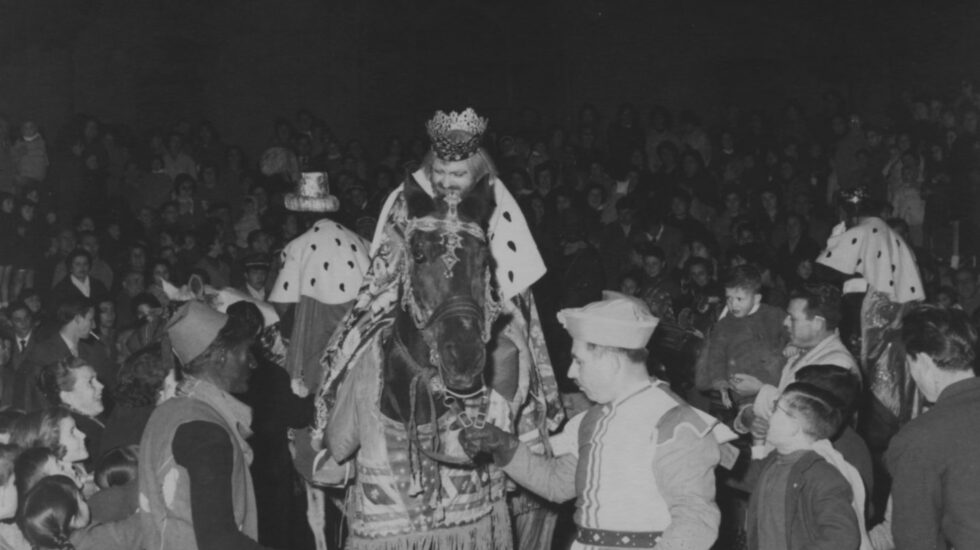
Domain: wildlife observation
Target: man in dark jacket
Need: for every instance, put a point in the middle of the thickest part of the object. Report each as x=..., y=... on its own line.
x=75, y=317
x=933, y=459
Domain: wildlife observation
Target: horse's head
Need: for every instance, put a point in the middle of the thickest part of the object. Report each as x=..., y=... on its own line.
x=447, y=287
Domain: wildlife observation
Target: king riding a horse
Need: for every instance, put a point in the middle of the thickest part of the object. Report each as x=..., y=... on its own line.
x=443, y=334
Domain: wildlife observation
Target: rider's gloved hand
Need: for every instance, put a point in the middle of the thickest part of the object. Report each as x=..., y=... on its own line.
x=491, y=440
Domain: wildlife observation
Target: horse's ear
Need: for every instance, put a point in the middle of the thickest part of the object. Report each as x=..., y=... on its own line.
x=479, y=203
x=418, y=203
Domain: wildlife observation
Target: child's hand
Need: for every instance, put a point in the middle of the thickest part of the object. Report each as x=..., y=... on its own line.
x=759, y=428
x=746, y=384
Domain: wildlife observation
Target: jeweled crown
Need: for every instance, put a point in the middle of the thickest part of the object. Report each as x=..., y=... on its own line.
x=855, y=195
x=456, y=136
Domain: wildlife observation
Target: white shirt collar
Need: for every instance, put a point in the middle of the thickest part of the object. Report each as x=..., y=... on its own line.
x=73, y=348
x=84, y=286
x=257, y=294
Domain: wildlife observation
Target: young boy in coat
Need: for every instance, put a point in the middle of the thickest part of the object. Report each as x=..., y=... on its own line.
x=800, y=499
x=748, y=339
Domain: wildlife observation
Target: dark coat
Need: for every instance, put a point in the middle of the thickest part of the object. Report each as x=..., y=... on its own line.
x=818, y=508
x=10, y=372
x=936, y=473
x=125, y=426
x=65, y=290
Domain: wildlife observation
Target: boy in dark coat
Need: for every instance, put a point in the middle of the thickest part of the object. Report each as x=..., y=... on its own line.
x=800, y=499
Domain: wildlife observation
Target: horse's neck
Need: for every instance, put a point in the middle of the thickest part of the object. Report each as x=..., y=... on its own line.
x=400, y=370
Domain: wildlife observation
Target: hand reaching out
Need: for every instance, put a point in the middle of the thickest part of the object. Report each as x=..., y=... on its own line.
x=489, y=439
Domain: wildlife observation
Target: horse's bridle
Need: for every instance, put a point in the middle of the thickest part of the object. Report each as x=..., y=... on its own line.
x=431, y=377
x=457, y=305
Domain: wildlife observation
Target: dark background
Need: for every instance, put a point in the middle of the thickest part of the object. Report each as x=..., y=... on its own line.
x=375, y=68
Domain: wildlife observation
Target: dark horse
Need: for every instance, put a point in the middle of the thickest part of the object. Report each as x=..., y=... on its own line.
x=414, y=487
x=438, y=343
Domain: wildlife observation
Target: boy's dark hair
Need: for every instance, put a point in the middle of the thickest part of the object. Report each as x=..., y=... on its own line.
x=838, y=381
x=817, y=410
x=73, y=307
x=117, y=467
x=744, y=277
x=945, y=335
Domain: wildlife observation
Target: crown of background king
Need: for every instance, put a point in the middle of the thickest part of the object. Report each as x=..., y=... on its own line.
x=855, y=195
x=456, y=136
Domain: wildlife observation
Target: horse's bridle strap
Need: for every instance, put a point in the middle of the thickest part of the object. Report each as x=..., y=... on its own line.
x=456, y=306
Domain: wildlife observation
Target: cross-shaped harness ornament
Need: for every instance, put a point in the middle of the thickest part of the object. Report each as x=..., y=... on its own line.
x=451, y=239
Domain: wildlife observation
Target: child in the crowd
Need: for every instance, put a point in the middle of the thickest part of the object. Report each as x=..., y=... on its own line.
x=802, y=497
x=35, y=468
x=748, y=339
x=30, y=155
x=846, y=386
x=117, y=467
x=116, y=474
x=10, y=535
x=51, y=511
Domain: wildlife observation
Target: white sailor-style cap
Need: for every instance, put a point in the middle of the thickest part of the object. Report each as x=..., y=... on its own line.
x=618, y=321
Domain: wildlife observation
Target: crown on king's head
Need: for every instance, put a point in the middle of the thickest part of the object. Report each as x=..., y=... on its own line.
x=855, y=195
x=456, y=136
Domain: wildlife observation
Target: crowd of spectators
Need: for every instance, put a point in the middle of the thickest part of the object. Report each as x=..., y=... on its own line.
x=658, y=204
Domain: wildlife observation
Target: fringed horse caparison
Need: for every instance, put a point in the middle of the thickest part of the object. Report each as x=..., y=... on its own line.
x=414, y=486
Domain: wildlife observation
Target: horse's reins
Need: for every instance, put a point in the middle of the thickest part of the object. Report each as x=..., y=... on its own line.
x=425, y=377
x=431, y=376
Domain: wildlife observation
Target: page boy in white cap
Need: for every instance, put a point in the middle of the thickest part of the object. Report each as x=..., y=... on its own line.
x=640, y=461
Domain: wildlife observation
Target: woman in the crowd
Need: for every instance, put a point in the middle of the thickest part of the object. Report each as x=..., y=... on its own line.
x=73, y=386
x=54, y=429
x=51, y=511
